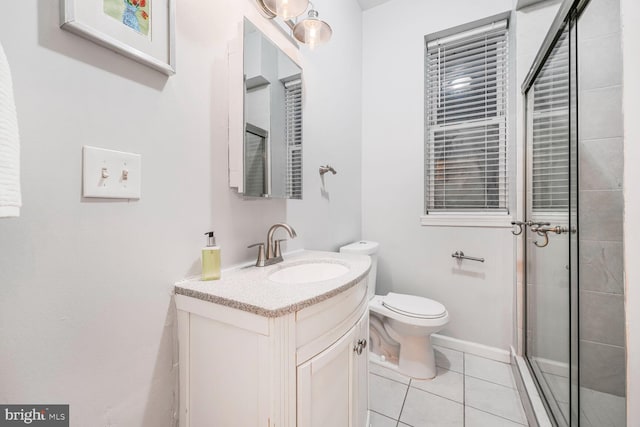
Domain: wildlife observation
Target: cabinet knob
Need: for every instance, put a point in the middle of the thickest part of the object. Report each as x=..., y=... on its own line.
x=361, y=345
x=358, y=348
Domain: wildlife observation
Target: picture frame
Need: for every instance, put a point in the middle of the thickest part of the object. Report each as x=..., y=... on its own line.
x=143, y=30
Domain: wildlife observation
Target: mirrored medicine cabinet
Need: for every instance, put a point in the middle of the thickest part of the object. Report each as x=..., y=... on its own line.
x=265, y=158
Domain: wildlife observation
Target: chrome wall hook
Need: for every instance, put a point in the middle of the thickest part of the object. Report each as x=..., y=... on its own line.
x=325, y=169
x=518, y=224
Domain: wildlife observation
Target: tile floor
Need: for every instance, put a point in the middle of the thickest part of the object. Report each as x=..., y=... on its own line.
x=468, y=391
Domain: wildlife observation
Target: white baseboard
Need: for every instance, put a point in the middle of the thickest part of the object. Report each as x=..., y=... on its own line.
x=476, y=349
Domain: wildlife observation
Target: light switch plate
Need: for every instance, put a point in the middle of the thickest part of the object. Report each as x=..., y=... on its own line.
x=111, y=174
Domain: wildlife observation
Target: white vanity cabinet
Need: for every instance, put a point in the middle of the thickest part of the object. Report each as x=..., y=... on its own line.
x=302, y=368
x=333, y=385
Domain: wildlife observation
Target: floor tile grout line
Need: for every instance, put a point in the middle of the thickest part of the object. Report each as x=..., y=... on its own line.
x=447, y=369
x=406, y=393
x=382, y=415
x=497, y=416
x=440, y=396
x=464, y=391
x=492, y=382
x=409, y=379
x=392, y=379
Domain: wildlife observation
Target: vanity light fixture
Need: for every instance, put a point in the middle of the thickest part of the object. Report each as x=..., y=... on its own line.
x=286, y=9
x=310, y=30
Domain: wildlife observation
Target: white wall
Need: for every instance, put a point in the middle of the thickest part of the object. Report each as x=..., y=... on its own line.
x=329, y=216
x=630, y=13
x=86, y=312
x=416, y=259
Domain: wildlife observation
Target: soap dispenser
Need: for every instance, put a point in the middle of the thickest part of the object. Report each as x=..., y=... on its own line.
x=211, y=258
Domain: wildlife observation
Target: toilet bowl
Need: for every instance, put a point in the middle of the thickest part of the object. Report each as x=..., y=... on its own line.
x=408, y=320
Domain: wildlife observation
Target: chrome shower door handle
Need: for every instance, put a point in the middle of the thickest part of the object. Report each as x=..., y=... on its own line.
x=544, y=230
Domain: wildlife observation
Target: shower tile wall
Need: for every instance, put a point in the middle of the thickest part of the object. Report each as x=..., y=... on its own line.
x=602, y=318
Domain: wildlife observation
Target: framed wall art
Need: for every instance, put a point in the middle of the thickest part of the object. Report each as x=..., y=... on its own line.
x=142, y=30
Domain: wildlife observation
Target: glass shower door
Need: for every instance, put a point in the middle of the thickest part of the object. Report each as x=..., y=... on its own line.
x=551, y=277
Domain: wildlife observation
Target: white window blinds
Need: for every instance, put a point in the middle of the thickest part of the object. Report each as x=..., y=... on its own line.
x=466, y=121
x=293, y=107
x=549, y=132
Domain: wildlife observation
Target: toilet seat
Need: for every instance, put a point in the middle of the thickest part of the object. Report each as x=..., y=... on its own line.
x=414, y=306
x=376, y=306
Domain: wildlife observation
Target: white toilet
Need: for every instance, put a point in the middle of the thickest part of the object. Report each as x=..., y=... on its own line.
x=400, y=325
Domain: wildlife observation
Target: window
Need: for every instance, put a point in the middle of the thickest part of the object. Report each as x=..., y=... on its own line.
x=293, y=107
x=549, y=132
x=466, y=121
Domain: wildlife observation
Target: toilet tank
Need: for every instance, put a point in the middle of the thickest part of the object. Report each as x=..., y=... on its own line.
x=364, y=247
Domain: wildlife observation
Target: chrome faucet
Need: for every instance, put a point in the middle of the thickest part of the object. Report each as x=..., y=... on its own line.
x=274, y=254
x=273, y=248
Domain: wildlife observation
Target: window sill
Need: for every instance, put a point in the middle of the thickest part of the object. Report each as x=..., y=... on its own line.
x=466, y=220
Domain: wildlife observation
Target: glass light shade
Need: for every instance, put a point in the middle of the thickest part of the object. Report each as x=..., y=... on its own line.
x=286, y=9
x=312, y=31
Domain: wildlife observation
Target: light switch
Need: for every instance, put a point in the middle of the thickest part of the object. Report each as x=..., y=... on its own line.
x=111, y=174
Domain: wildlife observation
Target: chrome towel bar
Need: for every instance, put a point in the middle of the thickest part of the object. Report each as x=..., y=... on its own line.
x=460, y=255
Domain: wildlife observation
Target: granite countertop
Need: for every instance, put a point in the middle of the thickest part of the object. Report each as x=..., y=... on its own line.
x=248, y=288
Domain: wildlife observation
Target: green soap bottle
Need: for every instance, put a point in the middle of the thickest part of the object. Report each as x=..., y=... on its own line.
x=211, y=259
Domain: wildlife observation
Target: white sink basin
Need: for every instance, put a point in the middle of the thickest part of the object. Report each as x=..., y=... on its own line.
x=308, y=273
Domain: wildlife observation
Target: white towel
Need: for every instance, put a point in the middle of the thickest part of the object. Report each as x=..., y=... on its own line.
x=10, y=197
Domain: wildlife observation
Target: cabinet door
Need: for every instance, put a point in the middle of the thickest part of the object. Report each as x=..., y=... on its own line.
x=225, y=382
x=325, y=385
x=361, y=374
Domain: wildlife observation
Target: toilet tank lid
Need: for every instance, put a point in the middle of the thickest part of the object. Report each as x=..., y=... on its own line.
x=362, y=247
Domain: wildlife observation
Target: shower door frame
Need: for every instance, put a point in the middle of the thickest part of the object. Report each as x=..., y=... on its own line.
x=566, y=19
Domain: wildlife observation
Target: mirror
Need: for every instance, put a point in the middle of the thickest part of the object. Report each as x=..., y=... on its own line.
x=272, y=147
